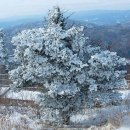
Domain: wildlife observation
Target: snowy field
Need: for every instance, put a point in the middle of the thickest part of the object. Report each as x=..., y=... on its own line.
x=23, y=95
x=27, y=117
x=32, y=95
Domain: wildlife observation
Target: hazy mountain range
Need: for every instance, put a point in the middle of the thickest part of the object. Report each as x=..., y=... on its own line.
x=103, y=17
x=99, y=17
x=109, y=29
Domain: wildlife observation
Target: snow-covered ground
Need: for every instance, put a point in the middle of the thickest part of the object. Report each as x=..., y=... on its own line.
x=125, y=93
x=23, y=94
x=124, y=128
x=125, y=123
x=97, y=116
x=18, y=121
x=32, y=95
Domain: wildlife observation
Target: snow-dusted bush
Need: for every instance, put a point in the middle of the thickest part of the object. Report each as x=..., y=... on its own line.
x=73, y=74
x=3, y=53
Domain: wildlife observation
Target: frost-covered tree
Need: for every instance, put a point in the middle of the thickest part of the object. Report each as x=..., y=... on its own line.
x=74, y=75
x=3, y=53
x=107, y=76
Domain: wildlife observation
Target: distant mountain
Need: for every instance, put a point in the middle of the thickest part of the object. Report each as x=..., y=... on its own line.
x=107, y=32
x=19, y=21
x=14, y=29
x=112, y=37
x=103, y=17
x=99, y=17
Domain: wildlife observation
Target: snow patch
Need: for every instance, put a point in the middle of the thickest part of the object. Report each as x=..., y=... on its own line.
x=23, y=94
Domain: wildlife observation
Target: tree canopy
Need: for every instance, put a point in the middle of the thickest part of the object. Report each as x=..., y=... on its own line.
x=74, y=73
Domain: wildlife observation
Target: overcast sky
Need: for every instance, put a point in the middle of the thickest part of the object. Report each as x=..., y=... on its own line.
x=11, y=8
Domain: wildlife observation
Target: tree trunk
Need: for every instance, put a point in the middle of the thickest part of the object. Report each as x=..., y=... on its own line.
x=65, y=118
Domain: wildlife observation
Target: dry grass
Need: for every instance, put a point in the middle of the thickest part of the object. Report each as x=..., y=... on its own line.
x=116, y=119
x=24, y=127
x=17, y=102
x=24, y=122
x=6, y=124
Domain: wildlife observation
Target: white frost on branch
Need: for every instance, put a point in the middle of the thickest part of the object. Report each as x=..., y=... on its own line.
x=73, y=75
x=3, y=53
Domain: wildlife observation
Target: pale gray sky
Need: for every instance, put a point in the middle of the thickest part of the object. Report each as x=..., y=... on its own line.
x=11, y=8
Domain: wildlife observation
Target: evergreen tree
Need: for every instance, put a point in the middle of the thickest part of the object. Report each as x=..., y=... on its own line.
x=74, y=75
